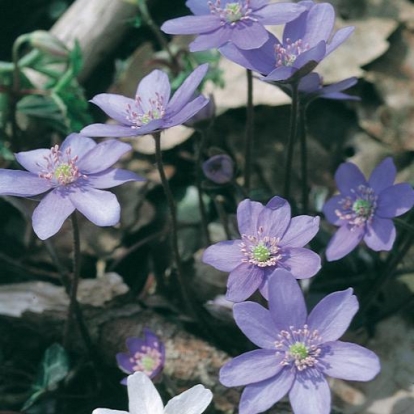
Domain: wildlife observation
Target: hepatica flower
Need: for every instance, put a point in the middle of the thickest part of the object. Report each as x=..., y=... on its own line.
x=364, y=209
x=270, y=239
x=306, y=41
x=219, y=169
x=152, y=110
x=71, y=177
x=238, y=21
x=144, y=399
x=298, y=351
x=145, y=355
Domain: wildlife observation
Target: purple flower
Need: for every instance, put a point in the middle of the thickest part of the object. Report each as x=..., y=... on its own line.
x=364, y=209
x=145, y=355
x=298, y=351
x=73, y=176
x=152, y=109
x=219, y=169
x=270, y=239
x=306, y=41
x=238, y=21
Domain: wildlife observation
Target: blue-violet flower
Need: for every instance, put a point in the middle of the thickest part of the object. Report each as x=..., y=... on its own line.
x=298, y=351
x=73, y=176
x=219, y=169
x=364, y=209
x=270, y=239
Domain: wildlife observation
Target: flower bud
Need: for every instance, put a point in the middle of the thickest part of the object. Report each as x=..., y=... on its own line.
x=219, y=169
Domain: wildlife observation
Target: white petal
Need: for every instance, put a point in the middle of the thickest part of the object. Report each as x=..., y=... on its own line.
x=143, y=396
x=193, y=401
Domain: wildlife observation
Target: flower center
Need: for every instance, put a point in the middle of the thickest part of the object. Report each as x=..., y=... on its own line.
x=359, y=208
x=260, y=250
x=61, y=168
x=138, y=117
x=232, y=12
x=287, y=54
x=300, y=347
x=146, y=361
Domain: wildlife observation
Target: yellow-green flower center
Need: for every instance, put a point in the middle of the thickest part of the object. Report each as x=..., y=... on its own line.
x=362, y=208
x=261, y=253
x=148, y=363
x=233, y=12
x=64, y=174
x=298, y=350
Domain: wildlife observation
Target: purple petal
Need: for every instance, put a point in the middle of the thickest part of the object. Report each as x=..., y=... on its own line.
x=187, y=112
x=104, y=130
x=153, y=86
x=186, y=91
x=124, y=363
x=339, y=86
x=224, y=256
x=301, y=230
x=349, y=362
x=340, y=96
x=247, y=215
x=344, y=241
x=243, y=281
x=295, y=29
x=311, y=83
x=251, y=367
x=339, y=37
x=51, y=212
x=256, y=323
x=248, y=35
x=280, y=13
x=332, y=316
x=319, y=24
x=112, y=178
x=33, y=161
x=134, y=344
x=300, y=262
x=151, y=339
x=22, y=183
x=79, y=144
x=259, y=397
x=103, y=156
x=310, y=394
x=286, y=304
x=315, y=54
x=114, y=106
x=383, y=175
x=198, y=7
x=395, y=200
x=100, y=207
x=211, y=40
x=330, y=207
x=348, y=177
x=381, y=234
x=191, y=24
x=279, y=74
x=274, y=221
x=276, y=202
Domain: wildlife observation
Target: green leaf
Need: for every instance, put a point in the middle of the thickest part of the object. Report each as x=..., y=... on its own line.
x=75, y=58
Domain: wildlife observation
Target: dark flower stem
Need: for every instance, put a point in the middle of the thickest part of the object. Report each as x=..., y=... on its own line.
x=248, y=146
x=294, y=120
x=304, y=157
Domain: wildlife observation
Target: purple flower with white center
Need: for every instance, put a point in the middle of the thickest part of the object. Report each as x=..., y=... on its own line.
x=307, y=40
x=270, y=239
x=152, y=110
x=364, y=209
x=298, y=351
x=240, y=22
x=219, y=169
x=146, y=355
x=73, y=176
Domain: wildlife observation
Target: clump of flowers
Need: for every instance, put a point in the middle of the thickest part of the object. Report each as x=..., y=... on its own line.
x=240, y=22
x=364, y=209
x=219, y=169
x=270, y=239
x=152, y=110
x=298, y=351
x=72, y=177
x=145, y=355
x=144, y=399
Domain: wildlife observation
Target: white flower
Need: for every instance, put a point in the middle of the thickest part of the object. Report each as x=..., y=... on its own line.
x=144, y=399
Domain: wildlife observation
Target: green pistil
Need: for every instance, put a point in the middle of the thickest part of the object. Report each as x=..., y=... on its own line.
x=362, y=208
x=148, y=363
x=233, y=12
x=298, y=351
x=261, y=253
x=64, y=173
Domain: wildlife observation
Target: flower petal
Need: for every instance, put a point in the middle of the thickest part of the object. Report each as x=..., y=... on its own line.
x=300, y=262
x=332, y=316
x=256, y=323
x=102, y=156
x=286, y=304
x=108, y=411
x=192, y=24
x=198, y=7
x=381, y=234
x=383, y=175
x=248, y=34
x=251, y=367
x=100, y=207
x=330, y=207
x=51, y=212
x=247, y=215
x=274, y=221
x=259, y=397
x=211, y=40
x=395, y=200
x=348, y=361
x=301, y=230
x=315, y=54
x=243, y=281
x=114, y=106
x=338, y=38
x=310, y=394
x=154, y=86
x=279, y=74
x=113, y=177
x=104, y=130
x=33, y=161
x=187, y=112
x=319, y=24
x=348, y=177
x=143, y=396
x=22, y=183
x=124, y=363
x=193, y=401
x=339, y=86
x=79, y=144
x=343, y=241
x=224, y=256
x=280, y=13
